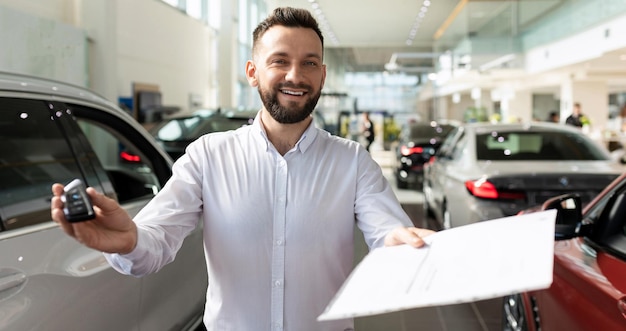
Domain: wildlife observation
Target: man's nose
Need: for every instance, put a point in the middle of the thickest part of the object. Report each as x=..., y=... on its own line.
x=294, y=73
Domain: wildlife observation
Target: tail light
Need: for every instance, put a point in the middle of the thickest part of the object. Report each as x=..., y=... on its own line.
x=405, y=150
x=484, y=189
x=128, y=157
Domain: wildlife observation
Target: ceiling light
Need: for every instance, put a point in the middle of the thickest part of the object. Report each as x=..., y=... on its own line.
x=323, y=23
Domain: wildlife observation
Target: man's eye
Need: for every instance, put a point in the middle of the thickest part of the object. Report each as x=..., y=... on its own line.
x=279, y=61
x=311, y=64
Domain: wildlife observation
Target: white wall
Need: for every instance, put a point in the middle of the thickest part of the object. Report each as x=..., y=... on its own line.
x=144, y=41
x=159, y=45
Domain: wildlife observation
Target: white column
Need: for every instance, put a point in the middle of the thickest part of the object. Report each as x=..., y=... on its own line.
x=228, y=68
x=521, y=106
x=99, y=19
x=593, y=99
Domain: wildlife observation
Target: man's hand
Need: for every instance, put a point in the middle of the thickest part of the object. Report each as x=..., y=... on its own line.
x=407, y=235
x=112, y=231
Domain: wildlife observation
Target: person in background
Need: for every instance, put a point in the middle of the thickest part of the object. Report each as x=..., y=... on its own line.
x=576, y=118
x=278, y=199
x=368, y=131
x=554, y=117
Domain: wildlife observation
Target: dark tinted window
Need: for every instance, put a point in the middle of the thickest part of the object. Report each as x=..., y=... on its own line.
x=34, y=154
x=539, y=145
x=426, y=131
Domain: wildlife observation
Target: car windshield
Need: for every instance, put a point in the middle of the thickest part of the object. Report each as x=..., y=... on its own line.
x=427, y=131
x=190, y=128
x=538, y=145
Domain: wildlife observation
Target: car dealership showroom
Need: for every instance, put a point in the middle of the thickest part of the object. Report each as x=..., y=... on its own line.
x=299, y=165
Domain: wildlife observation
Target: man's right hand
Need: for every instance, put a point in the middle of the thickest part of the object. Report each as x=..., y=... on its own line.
x=112, y=231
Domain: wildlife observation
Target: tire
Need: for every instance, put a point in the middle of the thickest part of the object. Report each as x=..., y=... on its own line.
x=514, y=313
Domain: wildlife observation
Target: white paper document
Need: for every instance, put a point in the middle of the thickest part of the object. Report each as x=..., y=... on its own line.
x=480, y=261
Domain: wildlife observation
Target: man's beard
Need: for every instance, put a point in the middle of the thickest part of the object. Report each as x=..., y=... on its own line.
x=287, y=114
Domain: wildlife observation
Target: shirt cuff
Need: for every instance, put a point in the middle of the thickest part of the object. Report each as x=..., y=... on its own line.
x=124, y=263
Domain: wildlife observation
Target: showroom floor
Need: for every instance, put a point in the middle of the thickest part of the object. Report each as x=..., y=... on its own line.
x=480, y=316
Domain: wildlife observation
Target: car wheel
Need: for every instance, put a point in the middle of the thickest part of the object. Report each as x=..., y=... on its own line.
x=513, y=313
x=447, y=222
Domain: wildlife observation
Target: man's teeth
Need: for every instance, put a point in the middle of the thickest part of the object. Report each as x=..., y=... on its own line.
x=293, y=92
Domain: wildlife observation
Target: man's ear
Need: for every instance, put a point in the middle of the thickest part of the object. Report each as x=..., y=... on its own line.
x=251, y=74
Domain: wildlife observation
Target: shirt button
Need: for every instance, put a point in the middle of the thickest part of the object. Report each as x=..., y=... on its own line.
x=278, y=283
x=279, y=242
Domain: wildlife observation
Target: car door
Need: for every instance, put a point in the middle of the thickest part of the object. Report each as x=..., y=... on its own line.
x=173, y=298
x=588, y=291
x=438, y=171
x=48, y=281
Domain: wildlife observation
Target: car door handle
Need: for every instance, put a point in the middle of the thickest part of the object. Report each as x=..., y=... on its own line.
x=621, y=305
x=11, y=282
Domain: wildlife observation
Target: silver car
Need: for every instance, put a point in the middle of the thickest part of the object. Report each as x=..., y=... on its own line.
x=485, y=171
x=53, y=132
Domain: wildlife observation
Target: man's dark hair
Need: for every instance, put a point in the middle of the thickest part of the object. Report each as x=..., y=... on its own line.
x=289, y=17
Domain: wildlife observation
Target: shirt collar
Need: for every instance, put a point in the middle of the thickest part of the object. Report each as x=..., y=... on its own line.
x=305, y=141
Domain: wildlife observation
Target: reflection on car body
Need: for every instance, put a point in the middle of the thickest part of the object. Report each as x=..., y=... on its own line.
x=53, y=132
x=486, y=171
x=589, y=283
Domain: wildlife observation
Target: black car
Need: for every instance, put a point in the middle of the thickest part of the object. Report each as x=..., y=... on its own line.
x=418, y=143
x=176, y=133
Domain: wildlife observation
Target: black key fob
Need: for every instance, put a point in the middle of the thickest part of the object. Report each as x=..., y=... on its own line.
x=78, y=206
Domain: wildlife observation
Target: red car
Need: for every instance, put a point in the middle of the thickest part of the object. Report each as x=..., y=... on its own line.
x=589, y=285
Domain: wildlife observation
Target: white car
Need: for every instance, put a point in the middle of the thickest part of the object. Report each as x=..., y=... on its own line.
x=485, y=171
x=53, y=132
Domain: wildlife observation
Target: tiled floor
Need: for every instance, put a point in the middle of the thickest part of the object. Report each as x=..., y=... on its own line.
x=478, y=316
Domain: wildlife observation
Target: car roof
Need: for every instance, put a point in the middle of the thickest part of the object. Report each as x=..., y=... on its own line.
x=526, y=126
x=16, y=82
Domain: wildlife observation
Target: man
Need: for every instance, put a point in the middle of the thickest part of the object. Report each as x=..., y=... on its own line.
x=368, y=131
x=576, y=118
x=279, y=199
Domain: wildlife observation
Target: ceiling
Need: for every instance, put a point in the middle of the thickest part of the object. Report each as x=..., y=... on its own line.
x=369, y=32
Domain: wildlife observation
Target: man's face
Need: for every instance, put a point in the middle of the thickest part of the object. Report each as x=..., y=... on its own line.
x=288, y=72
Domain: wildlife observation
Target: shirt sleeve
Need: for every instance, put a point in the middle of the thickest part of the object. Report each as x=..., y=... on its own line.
x=377, y=208
x=165, y=221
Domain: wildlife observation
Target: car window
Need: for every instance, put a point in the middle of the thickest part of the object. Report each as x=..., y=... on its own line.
x=130, y=172
x=177, y=129
x=538, y=145
x=34, y=154
x=609, y=221
x=448, y=144
x=426, y=132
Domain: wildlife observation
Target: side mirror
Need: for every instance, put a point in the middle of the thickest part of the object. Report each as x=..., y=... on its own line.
x=569, y=215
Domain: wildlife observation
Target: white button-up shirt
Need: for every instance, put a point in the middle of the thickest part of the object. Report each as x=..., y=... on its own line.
x=278, y=230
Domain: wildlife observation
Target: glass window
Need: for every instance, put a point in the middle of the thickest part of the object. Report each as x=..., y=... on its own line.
x=539, y=145
x=127, y=167
x=194, y=8
x=34, y=154
x=215, y=14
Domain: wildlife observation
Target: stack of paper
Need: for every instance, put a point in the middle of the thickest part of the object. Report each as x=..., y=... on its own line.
x=474, y=262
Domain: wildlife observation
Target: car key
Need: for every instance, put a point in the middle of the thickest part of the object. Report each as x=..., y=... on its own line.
x=78, y=206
